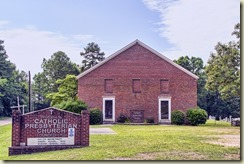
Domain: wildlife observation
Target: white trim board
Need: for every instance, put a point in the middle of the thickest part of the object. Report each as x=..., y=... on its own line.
x=143, y=45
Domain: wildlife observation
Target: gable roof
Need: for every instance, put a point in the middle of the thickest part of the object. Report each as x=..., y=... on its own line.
x=129, y=46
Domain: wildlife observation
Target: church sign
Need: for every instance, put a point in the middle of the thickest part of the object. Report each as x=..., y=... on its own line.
x=48, y=129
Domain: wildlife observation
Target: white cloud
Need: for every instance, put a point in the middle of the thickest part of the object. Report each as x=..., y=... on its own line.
x=83, y=38
x=28, y=46
x=3, y=23
x=195, y=26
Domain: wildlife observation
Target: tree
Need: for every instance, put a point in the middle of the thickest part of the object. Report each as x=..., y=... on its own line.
x=67, y=90
x=66, y=97
x=39, y=89
x=92, y=56
x=223, y=69
x=12, y=84
x=57, y=68
x=2, y=83
x=195, y=65
x=45, y=82
x=3, y=57
x=223, y=76
x=6, y=67
x=216, y=106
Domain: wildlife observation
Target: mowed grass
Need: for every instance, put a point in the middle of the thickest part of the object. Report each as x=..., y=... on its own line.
x=132, y=142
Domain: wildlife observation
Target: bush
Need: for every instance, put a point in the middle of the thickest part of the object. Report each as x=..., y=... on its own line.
x=127, y=120
x=217, y=118
x=75, y=106
x=196, y=116
x=177, y=117
x=150, y=120
x=122, y=118
x=186, y=122
x=95, y=116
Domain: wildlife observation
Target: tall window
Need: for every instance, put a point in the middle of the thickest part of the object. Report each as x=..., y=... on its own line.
x=164, y=109
x=136, y=85
x=164, y=86
x=108, y=109
x=108, y=85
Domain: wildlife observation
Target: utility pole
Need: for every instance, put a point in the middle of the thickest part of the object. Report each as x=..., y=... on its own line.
x=30, y=92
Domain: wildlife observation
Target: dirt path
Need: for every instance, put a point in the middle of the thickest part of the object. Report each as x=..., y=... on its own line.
x=227, y=140
x=5, y=121
x=101, y=131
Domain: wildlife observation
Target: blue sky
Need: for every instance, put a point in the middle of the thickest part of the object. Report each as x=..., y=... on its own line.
x=33, y=30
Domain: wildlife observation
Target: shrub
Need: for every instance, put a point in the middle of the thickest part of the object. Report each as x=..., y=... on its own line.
x=95, y=116
x=177, y=117
x=196, y=116
x=150, y=120
x=75, y=106
x=186, y=122
x=127, y=120
x=122, y=118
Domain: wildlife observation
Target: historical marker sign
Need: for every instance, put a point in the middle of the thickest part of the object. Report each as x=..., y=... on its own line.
x=50, y=128
x=137, y=116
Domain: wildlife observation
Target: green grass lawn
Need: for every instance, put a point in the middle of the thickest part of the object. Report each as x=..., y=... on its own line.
x=132, y=142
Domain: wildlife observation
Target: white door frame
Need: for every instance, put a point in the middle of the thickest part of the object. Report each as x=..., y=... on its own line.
x=113, y=116
x=159, y=110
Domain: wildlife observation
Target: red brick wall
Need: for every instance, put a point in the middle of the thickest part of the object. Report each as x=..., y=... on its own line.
x=138, y=63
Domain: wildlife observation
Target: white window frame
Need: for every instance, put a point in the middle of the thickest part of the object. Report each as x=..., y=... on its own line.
x=159, y=110
x=113, y=116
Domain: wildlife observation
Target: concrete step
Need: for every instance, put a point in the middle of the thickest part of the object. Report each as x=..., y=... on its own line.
x=108, y=122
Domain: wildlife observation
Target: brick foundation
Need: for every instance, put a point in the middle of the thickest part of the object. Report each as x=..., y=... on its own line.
x=35, y=149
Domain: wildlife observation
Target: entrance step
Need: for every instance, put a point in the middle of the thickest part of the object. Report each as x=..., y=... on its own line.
x=165, y=123
x=108, y=122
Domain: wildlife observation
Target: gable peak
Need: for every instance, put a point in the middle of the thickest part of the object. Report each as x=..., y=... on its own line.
x=137, y=41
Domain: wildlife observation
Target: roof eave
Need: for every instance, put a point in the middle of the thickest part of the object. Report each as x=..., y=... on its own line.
x=168, y=60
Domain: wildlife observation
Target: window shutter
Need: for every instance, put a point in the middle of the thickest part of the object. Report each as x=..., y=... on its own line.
x=164, y=85
x=108, y=85
x=136, y=85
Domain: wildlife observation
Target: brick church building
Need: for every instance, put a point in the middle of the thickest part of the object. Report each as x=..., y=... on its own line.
x=140, y=83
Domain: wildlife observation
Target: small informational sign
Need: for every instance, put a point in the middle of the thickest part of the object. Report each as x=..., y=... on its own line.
x=54, y=140
x=51, y=141
x=137, y=116
x=71, y=132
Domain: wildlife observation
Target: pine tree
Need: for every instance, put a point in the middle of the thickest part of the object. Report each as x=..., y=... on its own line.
x=92, y=56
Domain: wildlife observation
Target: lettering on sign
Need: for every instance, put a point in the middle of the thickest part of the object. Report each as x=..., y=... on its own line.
x=50, y=141
x=50, y=126
x=137, y=116
x=54, y=140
